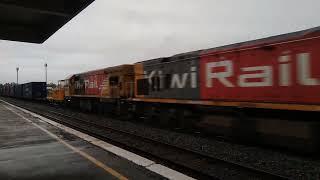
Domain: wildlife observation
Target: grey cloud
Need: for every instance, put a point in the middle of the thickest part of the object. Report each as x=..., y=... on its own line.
x=115, y=32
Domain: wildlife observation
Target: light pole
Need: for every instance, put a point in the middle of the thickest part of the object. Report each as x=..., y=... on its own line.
x=17, y=68
x=46, y=71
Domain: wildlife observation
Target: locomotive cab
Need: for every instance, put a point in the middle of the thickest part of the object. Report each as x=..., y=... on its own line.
x=57, y=94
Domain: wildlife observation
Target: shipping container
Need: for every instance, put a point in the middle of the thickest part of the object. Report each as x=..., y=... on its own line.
x=18, y=91
x=1, y=89
x=6, y=90
x=11, y=91
x=35, y=90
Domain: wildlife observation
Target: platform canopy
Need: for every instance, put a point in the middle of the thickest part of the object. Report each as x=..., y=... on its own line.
x=35, y=21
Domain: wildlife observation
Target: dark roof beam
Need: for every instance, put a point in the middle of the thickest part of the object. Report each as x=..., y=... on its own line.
x=35, y=10
x=19, y=32
x=36, y=20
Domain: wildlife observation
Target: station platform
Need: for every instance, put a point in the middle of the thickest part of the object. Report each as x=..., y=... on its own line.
x=31, y=148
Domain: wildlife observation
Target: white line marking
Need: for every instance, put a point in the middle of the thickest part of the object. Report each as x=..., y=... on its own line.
x=83, y=154
x=139, y=160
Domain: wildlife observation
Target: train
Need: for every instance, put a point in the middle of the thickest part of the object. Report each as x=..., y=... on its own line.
x=31, y=90
x=264, y=90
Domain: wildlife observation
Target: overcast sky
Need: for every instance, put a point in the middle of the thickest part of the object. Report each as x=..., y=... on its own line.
x=113, y=32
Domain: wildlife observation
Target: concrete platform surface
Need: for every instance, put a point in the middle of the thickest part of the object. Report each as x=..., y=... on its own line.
x=33, y=149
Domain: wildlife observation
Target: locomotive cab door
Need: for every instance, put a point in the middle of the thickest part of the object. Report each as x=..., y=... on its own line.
x=115, y=86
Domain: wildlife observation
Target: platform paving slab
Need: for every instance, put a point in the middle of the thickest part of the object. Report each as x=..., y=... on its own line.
x=27, y=151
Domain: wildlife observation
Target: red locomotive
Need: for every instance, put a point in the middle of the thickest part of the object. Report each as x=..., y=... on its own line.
x=277, y=72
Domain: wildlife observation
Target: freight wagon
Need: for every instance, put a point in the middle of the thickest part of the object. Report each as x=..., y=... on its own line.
x=11, y=91
x=7, y=90
x=1, y=89
x=18, y=91
x=34, y=90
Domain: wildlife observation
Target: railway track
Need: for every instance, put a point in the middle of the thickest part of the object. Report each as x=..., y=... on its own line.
x=195, y=163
